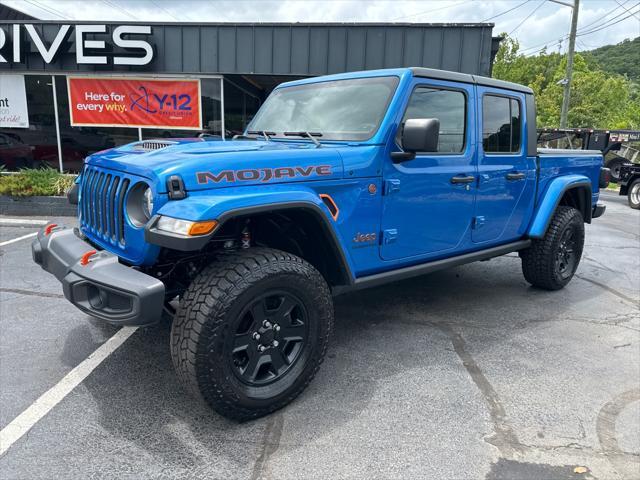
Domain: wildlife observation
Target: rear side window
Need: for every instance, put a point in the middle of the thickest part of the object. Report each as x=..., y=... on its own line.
x=501, y=132
x=448, y=106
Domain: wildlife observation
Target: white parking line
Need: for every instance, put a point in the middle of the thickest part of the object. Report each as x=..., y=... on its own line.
x=2, y=244
x=18, y=222
x=43, y=405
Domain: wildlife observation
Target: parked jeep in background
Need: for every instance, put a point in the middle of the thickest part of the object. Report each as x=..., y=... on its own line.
x=630, y=184
x=339, y=183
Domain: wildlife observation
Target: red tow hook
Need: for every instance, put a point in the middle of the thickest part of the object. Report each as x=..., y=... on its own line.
x=84, y=260
x=49, y=228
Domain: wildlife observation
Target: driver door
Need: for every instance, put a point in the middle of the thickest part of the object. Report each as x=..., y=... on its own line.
x=428, y=201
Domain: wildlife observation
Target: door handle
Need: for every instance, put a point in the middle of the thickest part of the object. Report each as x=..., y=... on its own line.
x=462, y=179
x=515, y=176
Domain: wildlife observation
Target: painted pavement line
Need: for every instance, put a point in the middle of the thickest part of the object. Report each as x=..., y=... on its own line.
x=47, y=401
x=14, y=240
x=20, y=222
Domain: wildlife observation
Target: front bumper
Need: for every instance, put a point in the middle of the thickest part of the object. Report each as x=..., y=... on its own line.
x=102, y=287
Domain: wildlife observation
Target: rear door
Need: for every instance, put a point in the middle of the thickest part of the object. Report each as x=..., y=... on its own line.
x=506, y=176
x=428, y=201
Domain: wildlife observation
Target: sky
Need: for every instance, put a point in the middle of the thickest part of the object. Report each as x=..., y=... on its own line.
x=534, y=23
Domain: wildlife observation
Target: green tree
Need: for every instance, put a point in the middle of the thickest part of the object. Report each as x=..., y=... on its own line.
x=599, y=99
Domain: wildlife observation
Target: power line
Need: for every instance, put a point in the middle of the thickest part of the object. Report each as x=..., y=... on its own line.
x=164, y=10
x=631, y=14
x=527, y=17
x=50, y=10
x=601, y=19
x=622, y=5
x=597, y=27
x=428, y=11
x=506, y=11
x=550, y=43
x=581, y=32
x=116, y=7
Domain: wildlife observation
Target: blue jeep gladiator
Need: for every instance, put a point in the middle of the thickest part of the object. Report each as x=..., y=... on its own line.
x=339, y=183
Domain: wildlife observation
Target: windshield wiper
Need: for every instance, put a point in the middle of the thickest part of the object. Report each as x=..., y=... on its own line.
x=265, y=133
x=310, y=135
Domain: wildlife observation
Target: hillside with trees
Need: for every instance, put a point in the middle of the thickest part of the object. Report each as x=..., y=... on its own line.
x=600, y=96
x=622, y=58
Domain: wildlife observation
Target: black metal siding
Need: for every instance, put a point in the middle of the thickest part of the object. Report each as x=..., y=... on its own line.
x=290, y=49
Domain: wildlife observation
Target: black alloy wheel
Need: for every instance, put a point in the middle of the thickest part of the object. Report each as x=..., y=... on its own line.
x=270, y=337
x=566, y=257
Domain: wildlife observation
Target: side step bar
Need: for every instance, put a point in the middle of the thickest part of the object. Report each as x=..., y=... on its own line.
x=424, y=268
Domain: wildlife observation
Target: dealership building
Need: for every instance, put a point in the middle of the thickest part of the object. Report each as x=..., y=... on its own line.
x=231, y=67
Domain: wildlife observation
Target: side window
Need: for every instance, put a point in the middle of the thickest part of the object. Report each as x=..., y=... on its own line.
x=449, y=107
x=501, y=130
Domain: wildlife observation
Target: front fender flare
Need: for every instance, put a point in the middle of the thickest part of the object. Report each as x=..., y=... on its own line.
x=224, y=204
x=551, y=199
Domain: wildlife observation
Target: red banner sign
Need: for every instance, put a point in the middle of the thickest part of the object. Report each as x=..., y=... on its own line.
x=134, y=102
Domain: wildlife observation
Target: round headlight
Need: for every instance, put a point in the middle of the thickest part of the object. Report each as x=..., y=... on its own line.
x=147, y=206
x=140, y=204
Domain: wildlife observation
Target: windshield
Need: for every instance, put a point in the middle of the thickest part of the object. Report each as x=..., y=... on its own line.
x=338, y=110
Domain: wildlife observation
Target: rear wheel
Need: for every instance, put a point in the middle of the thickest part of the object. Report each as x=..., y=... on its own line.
x=614, y=166
x=633, y=194
x=550, y=262
x=251, y=331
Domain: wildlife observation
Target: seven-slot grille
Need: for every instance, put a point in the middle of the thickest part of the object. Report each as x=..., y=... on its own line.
x=102, y=204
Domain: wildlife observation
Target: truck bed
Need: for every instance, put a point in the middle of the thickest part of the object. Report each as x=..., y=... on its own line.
x=555, y=162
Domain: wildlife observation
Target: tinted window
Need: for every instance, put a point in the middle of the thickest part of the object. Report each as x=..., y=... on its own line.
x=501, y=130
x=448, y=106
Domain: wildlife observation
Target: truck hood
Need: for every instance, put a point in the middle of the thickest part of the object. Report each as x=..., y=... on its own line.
x=214, y=164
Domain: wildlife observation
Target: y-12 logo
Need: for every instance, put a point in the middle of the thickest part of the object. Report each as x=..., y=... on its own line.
x=262, y=174
x=145, y=100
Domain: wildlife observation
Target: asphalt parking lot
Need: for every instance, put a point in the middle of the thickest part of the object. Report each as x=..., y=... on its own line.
x=468, y=373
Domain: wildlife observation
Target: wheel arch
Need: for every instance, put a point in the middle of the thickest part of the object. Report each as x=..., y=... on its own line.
x=298, y=204
x=624, y=187
x=300, y=228
x=573, y=191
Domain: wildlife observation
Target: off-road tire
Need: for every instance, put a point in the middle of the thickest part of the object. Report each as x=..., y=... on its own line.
x=203, y=328
x=633, y=194
x=539, y=260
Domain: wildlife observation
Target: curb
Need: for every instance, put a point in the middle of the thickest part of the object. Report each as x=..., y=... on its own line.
x=37, y=206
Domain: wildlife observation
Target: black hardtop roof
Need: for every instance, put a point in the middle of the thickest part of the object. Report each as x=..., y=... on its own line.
x=467, y=78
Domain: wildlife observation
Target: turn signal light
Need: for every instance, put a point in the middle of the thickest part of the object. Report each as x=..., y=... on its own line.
x=202, y=228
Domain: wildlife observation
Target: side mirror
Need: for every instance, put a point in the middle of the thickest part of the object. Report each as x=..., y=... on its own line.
x=421, y=135
x=418, y=135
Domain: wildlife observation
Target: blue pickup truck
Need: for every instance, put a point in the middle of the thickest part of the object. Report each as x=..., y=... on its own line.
x=339, y=183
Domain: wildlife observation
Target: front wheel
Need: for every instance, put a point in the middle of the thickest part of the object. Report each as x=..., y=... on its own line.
x=550, y=262
x=251, y=331
x=633, y=195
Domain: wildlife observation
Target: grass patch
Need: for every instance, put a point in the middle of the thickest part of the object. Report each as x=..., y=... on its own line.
x=35, y=182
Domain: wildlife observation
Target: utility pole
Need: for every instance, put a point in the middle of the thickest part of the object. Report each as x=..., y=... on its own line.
x=567, y=81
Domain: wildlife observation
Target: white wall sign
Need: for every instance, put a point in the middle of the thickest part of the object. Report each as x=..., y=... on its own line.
x=14, y=43
x=13, y=102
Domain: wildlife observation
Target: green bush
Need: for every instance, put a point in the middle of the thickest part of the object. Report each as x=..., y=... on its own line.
x=32, y=182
